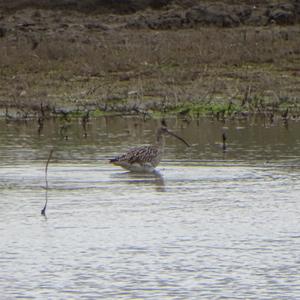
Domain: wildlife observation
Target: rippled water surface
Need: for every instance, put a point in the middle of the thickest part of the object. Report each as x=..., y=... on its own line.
x=209, y=225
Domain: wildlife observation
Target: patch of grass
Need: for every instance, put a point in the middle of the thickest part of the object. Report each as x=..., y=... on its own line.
x=98, y=113
x=201, y=109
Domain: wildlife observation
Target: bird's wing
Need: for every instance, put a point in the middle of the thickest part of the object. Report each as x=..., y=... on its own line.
x=141, y=154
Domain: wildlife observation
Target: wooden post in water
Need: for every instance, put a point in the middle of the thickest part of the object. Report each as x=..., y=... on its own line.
x=224, y=138
x=84, y=122
x=43, y=211
x=285, y=117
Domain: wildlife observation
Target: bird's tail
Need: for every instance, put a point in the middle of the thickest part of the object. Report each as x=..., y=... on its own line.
x=113, y=160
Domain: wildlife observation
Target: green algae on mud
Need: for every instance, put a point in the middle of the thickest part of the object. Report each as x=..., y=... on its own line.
x=218, y=110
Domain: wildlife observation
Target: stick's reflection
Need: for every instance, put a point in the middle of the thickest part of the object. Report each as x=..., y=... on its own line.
x=43, y=211
x=154, y=178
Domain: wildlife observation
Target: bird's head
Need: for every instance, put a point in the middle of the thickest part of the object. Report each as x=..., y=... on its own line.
x=163, y=130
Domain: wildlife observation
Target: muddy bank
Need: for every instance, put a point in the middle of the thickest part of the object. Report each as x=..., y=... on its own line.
x=220, y=15
x=103, y=62
x=171, y=14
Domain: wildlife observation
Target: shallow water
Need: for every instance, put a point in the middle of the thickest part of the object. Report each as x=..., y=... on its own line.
x=209, y=225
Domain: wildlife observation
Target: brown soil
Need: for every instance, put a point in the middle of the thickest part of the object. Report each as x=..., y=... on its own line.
x=65, y=58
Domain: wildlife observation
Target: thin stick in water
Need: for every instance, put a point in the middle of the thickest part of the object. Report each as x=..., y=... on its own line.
x=43, y=211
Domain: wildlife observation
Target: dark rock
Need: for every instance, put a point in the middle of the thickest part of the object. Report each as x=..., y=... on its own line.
x=165, y=21
x=243, y=12
x=172, y=21
x=100, y=6
x=137, y=23
x=282, y=14
x=96, y=26
x=157, y=4
x=217, y=14
x=297, y=9
x=282, y=17
x=2, y=32
x=169, y=14
x=64, y=25
x=130, y=6
x=257, y=18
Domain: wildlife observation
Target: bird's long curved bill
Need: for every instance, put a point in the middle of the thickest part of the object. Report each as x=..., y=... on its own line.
x=179, y=138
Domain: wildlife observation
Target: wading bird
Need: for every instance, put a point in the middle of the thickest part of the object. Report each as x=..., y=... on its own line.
x=146, y=158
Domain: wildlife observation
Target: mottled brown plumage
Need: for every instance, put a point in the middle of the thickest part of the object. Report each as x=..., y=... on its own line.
x=145, y=158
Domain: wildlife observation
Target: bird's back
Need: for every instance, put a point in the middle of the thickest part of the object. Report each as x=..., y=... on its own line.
x=147, y=156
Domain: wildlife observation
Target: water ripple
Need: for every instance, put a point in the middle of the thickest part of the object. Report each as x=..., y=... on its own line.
x=208, y=225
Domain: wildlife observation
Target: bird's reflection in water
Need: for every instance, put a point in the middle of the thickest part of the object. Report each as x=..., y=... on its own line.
x=154, y=178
